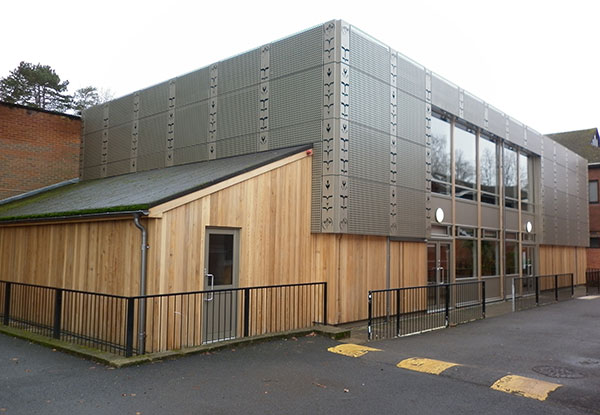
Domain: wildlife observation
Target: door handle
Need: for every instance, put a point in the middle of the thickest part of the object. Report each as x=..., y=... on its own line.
x=212, y=287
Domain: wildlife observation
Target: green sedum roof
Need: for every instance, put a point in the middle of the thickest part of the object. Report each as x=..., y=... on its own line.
x=135, y=191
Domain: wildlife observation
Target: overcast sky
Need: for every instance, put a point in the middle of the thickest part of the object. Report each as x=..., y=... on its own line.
x=538, y=61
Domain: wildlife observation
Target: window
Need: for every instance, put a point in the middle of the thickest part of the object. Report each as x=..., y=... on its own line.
x=593, y=191
x=512, y=257
x=510, y=178
x=490, y=252
x=526, y=182
x=466, y=252
x=440, y=156
x=594, y=242
x=488, y=165
x=464, y=162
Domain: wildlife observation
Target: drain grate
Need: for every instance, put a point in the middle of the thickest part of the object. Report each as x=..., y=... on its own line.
x=557, y=372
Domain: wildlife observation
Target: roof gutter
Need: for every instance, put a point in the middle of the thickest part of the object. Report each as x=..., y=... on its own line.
x=143, y=272
x=100, y=215
x=38, y=191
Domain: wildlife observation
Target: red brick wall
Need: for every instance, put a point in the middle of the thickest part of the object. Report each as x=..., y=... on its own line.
x=37, y=149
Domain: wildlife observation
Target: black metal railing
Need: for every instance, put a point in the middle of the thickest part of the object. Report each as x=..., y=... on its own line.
x=153, y=323
x=403, y=311
x=592, y=281
x=533, y=291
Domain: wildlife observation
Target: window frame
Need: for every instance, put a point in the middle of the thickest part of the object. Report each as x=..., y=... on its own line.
x=590, y=201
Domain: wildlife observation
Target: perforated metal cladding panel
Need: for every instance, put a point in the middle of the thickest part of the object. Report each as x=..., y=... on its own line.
x=237, y=113
x=190, y=154
x=368, y=207
x=561, y=177
x=572, y=183
x=296, y=98
x=368, y=154
x=548, y=147
x=370, y=101
x=317, y=171
x=309, y=132
x=548, y=177
x=237, y=145
x=410, y=118
x=548, y=200
x=444, y=95
x=151, y=161
x=192, y=87
x=118, y=167
x=516, y=132
x=534, y=142
x=296, y=53
x=561, y=204
x=240, y=71
x=496, y=122
x=411, y=209
x=154, y=99
x=152, y=135
x=549, y=229
x=93, y=118
x=92, y=149
x=120, y=111
x=411, y=164
x=369, y=57
x=466, y=213
x=490, y=217
x=410, y=78
x=474, y=110
x=191, y=125
x=119, y=143
x=572, y=161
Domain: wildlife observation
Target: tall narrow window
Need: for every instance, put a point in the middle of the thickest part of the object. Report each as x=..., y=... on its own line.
x=440, y=156
x=466, y=253
x=488, y=165
x=593, y=190
x=526, y=182
x=464, y=162
x=510, y=178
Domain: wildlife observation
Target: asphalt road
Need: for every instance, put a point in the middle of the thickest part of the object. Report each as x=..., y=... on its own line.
x=300, y=376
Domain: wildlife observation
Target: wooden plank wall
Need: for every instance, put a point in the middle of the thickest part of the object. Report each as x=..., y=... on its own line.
x=563, y=259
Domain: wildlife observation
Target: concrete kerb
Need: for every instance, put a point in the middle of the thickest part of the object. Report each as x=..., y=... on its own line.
x=117, y=361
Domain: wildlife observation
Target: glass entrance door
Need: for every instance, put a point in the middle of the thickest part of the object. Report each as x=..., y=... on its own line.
x=527, y=269
x=438, y=272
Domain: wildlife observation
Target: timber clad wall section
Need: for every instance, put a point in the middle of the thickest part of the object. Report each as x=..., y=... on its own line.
x=563, y=259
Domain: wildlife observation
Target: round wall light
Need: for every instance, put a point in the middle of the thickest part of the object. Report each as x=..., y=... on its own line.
x=528, y=226
x=439, y=215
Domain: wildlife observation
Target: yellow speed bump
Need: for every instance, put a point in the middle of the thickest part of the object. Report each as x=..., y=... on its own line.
x=419, y=364
x=527, y=387
x=352, y=350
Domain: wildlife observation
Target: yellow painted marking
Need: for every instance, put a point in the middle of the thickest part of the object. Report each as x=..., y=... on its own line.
x=419, y=364
x=527, y=387
x=352, y=350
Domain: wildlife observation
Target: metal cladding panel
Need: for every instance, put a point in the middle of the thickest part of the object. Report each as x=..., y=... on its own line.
x=534, y=142
x=561, y=204
x=368, y=154
x=192, y=87
x=118, y=167
x=237, y=113
x=444, y=95
x=490, y=216
x=191, y=125
x=93, y=119
x=368, y=207
x=317, y=172
x=369, y=57
x=119, y=143
x=572, y=208
x=466, y=213
x=445, y=203
x=549, y=229
x=370, y=101
x=548, y=177
x=120, y=111
x=474, y=109
x=411, y=164
x=572, y=160
x=529, y=217
x=410, y=118
x=548, y=200
x=548, y=147
x=516, y=132
x=93, y=172
x=296, y=53
x=154, y=100
x=190, y=154
x=92, y=149
x=511, y=219
x=410, y=78
x=572, y=183
x=496, y=122
x=561, y=177
x=411, y=222
x=152, y=135
x=582, y=186
x=239, y=72
x=237, y=145
x=297, y=134
x=151, y=161
x=296, y=99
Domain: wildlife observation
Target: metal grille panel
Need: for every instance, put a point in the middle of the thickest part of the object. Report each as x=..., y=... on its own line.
x=369, y=57
x=411, y=205
x=237, y=145
x=309, y=132
x=239, y=72
x=368, y=154
x=296, y=99
x=368, y=207
x=474, y=109
x=317, y=171
x=118, y=167
x=297, y=53
x=411, y=164
x=152, y=133
x=119, y=143
x=151, y=161
x=496, y=122
x=190, y=154
x=237, y=113
x=120, y=111
x=93, y=119
x=444, y=95
x=154, y=99
x=410, y=78
x=92, y=149
x=191, y=125
x=192, y=87
x=516, y=132
x=370, y=101
x=411, y=118
x=534, y=141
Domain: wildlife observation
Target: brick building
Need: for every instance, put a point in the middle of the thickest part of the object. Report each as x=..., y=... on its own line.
x=38, y=148
x=585, y=143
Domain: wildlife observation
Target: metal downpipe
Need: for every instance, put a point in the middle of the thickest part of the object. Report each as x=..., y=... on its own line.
x=142, y=304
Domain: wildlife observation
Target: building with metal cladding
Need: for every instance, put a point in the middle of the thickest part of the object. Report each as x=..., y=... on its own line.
x=411, y=179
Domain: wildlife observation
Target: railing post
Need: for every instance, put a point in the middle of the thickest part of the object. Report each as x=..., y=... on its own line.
x=7, y=303
x=572, y=286
x=325, y=303
x=537, y=290
x=246, y=312
x=483, y=298
x=397, y=312
x=514, y=298
x=129, y=328
x=58, y=295
x=447, y=304
x=556, y=287
x=370, y=308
